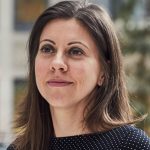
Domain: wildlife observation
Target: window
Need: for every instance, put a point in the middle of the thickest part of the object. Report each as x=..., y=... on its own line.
x=26, y=12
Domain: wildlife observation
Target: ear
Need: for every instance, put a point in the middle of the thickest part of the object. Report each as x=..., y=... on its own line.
x=101, y=80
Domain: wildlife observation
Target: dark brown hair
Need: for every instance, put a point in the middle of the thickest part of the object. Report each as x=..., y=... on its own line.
x=108, y=106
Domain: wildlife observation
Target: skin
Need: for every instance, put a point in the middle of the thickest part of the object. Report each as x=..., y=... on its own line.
x=67, y=69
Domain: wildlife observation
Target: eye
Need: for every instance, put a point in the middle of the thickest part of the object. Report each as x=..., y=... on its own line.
x=47, y=48
x=75, y=51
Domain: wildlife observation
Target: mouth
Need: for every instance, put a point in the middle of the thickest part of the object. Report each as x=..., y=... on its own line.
x=58, y=83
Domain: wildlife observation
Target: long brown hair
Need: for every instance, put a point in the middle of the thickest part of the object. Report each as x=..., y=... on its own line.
x=108, y=105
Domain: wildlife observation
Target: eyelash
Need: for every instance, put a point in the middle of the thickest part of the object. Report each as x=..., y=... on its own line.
x=73, y=51
x=47, y=49
x=78, y=51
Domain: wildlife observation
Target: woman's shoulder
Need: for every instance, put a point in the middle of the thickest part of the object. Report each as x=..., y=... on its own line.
x=10, y=147
x=133, y=138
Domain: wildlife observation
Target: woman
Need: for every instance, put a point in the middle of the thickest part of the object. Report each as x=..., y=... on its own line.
x=76, y=97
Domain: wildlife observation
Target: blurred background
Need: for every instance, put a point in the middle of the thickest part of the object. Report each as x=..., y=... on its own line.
x=132, y=21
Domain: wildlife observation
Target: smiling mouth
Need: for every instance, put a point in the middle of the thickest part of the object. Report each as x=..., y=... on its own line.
x=58, y=83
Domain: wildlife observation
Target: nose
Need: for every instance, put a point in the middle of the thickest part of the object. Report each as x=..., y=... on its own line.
x=58, y=64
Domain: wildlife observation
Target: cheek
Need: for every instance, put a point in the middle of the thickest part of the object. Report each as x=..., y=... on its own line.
x=41, y=68
x=86, y=70
x=77, y=70
x=87, y=75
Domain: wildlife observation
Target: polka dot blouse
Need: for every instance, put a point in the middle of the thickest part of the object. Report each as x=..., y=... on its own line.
x=121, y=138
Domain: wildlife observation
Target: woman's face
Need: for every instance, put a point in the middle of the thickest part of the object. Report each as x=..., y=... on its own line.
x=67, y=66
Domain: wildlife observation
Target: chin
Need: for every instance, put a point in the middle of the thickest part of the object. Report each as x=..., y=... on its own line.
x=58, y=102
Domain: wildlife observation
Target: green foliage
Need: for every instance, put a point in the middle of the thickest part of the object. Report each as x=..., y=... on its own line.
x=124, y=10
x=137, y=41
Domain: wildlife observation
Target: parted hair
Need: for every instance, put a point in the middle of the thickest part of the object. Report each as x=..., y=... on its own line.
x=107, y=106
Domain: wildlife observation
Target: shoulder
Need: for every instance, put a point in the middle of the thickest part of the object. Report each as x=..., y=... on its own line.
x=10, y=147
x=134, y=138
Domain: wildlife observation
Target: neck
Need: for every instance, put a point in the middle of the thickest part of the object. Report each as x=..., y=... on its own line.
x=68, y=122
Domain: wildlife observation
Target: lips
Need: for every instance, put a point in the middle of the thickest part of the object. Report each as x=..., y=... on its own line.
x=59, y=83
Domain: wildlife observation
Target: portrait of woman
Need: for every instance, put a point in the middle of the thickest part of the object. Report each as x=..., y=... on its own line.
x=77, y=97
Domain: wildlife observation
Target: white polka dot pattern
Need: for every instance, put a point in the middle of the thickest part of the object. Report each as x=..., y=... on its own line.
x=121, y=138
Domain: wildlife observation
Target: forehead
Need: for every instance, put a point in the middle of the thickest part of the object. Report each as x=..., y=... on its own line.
x=71, y=27
x=64, y=31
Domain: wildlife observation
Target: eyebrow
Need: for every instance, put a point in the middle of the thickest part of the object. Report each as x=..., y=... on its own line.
x=74, y=42
x=77, y=42
x=48, y=40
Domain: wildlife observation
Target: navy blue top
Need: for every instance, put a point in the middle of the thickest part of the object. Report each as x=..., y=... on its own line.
x=122, y=138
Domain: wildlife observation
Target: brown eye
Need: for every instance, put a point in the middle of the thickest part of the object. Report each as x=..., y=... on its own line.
x=47, y=49
x=75, y=51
